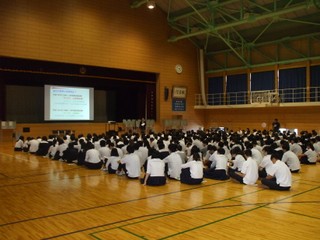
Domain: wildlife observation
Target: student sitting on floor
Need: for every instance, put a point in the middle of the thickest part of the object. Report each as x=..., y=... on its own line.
x=309, y=156
x=112, y=162
x=279, y=176
x=155, y=174
x=18, y=146
x=249, y=172
x=218, y=168
x=192, y=171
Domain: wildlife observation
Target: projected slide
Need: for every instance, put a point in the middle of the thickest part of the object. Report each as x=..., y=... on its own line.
x=68, y=103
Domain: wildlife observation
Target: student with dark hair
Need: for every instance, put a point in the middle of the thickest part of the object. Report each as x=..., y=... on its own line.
x=192, y=171
x=71, y=153
x=155, y=173
x=218, y=168
x=266, y=163
x=290, y=158
x=112, y=161
x=18, y=146
x=249, y=172
x=279, y=176
x=92, y=159
x=174, y=162
x=235, y=164
x=43, y=147
x=130, y=163
x=309, y=156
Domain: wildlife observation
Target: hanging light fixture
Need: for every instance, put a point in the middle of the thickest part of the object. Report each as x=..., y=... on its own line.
x=151, y=4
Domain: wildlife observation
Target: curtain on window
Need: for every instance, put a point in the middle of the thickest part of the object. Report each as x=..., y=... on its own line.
x=215, y=89
x=262, y=81
x=315, y=83
x=237, y=89
x=292, y=83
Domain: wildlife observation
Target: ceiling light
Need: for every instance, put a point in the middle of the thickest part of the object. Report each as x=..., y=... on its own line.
x=151, y=4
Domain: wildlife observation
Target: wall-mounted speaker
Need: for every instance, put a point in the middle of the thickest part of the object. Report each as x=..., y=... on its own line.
x=166, y=93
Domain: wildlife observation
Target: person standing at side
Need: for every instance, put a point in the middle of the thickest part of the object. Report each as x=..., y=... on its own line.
x=276, y=125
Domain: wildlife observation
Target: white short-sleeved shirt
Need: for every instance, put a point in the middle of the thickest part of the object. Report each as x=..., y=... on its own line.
x=174, y=165
x=92, y=156
x=266, y=163
x=291, y=160
x=196, y=168
x=132, y=162
x=155, y=167
x=238, y=162
x=219, y=162
x=282, y=173
x=104, y=152
x=114, y=161
x=250, y=169
x=256, y=155
x=312, y=155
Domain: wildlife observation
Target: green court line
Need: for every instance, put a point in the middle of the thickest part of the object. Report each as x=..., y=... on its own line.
x=295, y=213
x=179, y=211
x=236, y=214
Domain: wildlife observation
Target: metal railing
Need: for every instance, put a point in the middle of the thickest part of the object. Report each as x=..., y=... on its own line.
x=289, y=95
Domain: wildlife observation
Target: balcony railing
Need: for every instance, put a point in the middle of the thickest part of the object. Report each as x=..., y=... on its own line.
x=289, y=95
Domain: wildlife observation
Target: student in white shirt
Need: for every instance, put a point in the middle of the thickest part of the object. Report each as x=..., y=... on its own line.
x=309, y=156
x=279, y=177
x=218, y=168
x=155, y=173
x=92, y=159
x=266, y=163
x=18, y=146
x=174, y=162
x=113, y=160
x=192, y=171
x=249, y=172
x=290, y=158
x=131, y=163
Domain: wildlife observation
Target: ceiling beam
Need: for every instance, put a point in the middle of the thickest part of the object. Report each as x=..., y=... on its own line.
x=255, y=18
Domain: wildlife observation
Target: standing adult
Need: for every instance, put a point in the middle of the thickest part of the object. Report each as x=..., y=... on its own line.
x=276, y=125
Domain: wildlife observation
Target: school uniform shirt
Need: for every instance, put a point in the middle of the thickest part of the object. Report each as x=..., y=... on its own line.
x=219, y=162
x=61, y=148
x=312, y=155
x=250, y=169
x=104, y=152
x=92, y=156
x=282, y=173
x=296, y=149
x=114, y=161
x=291, y=160
x=266, y=163
x=238, y=162
x=196, y=169
x=132, y=162
x=19, y=144
x=155, y=167
x=34, y=145
x=174, y=165
x=256, y=155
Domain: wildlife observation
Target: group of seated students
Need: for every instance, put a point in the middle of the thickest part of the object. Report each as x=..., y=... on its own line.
x=187, y=156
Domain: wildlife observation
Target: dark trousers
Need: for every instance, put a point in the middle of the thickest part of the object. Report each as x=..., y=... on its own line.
x=272, y=184
x=237, y=177
x=217, y=174
x=93, y=165
x=185, y=177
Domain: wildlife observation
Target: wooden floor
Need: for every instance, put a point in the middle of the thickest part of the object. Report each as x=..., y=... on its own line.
x=45, y=199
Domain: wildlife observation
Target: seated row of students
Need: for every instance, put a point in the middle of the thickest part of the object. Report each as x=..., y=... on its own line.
x=94, y=153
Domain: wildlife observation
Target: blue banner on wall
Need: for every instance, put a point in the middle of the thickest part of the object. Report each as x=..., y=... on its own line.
x=178, y=104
